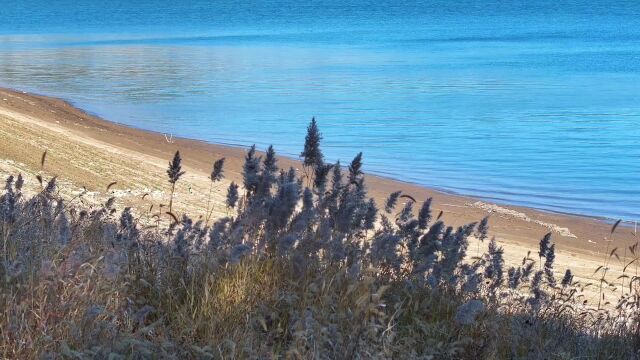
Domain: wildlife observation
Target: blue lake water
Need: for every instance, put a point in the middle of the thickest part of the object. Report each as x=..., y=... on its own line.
x=529, y=104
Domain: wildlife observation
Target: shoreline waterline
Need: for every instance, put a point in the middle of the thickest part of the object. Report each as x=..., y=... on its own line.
x=389, y=177
x=529, y=105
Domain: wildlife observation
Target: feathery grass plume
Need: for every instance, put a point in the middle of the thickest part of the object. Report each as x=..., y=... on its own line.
x=283, y=205
x=268, y=176
x=548, y=264
x=336, y=178
x=285, y=244
x=454, y=249
x=351, y=207
x=406, y=213
x=371, y=215
x=270, y=163
x=50, y=189
x=302, y=222
x=336, y=189
x=129, y=232
x=527, y=270
x=494, y=269
x=232, y=195
x=8, y=202
x=250, y=171
x=424, y=253
x=218, y=236
x=109, y=203
x=567, y=279
x=355, y=169
x=8, y=184
x=434, y=234
x=181, y=248
x=384, y=252
x=391, y=202
x=217, y=174
x=483, y=229
x=174, y=172
x=471, y=284
x=19, y=182
x=536, y=290
x=238, y=252
x=408, y=228
x=424, y=216
x=307, y=200
x=322, y=171
x=544, y=246
x=62, y=226
x=198, y=233
x=514, y=275
x=312, y=155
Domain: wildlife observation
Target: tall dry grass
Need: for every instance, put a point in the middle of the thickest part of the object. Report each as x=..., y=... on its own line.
x=294, y=271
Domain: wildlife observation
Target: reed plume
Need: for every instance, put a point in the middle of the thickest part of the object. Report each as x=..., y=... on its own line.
x=312, y=155
x=174, y=172
x=217, y=174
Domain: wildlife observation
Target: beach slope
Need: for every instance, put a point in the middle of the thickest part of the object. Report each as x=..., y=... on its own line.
x=89, y=153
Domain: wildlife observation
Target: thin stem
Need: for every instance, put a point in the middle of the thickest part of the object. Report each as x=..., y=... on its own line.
x=207, y=215
x=173, y=189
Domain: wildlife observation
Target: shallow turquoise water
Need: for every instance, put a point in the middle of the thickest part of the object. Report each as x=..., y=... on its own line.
x=530, y=104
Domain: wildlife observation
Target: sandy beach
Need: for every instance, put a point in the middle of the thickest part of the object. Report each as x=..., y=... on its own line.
x=87, y=152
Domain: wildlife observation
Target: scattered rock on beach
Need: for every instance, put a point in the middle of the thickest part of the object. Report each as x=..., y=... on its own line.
x=492, y=208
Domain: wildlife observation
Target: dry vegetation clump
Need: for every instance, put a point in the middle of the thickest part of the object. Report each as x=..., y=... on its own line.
x=303, y=267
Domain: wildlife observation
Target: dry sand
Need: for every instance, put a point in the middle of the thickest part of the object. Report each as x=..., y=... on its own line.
x=88, y=152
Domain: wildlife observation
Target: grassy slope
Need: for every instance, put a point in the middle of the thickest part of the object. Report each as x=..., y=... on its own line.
x=280, y=280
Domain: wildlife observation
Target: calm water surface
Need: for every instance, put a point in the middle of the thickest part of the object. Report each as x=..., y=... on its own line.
x=530, y=104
